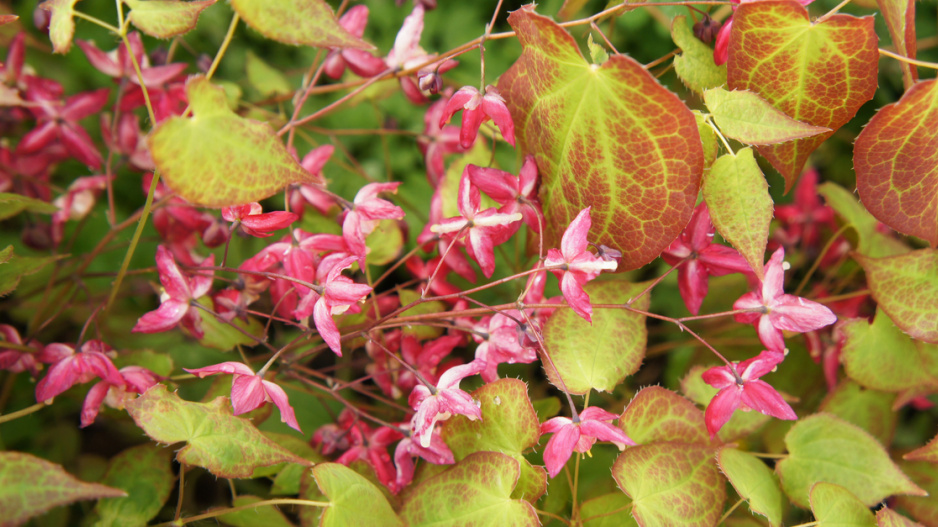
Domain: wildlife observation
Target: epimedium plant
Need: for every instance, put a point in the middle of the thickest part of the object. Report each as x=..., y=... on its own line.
x=278, y=232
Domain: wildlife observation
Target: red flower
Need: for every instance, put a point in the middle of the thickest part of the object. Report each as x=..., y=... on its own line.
x=177, y=297
x=579, y=435
x=478, y=109
x=514, y=194
x=361, y=62
x=72, y=368
x=255, y=223
x=740, y=388
x=442, y=402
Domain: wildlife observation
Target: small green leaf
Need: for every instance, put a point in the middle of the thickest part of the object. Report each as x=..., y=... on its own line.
x=13, y=204
x=886, y=517
x=13, y=268
x=744, y=116
x=711, y=146
x=823, y=447
x=741, y=425
x=385, y=242
x=870, y=242
x=671, y=484
x=882, y=357
x=145, y=473
x=159, y=363
x=871, y=410
x=754, y=482
x=905, y=287
x=740, y=205
x=695, y=66
x=509, y=425
x=546, y=408
x=264, y=516
x=287, y=476
x=834, y=505
x=598, y=355
x=927, y=453
x=611, y=510
x=476, y=491
x=217, y=158
x=660, y=415
x=354, y=500
x=166, y=18
x=61, y=26
x=297, y=22
x=266, y=79
x=597, y=51
x=225, y=336
x=408, y=296
x=29, y=486
x=228, y=446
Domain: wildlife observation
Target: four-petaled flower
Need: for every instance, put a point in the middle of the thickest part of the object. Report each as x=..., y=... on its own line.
x=575, y=265
x=514, y=194
x=177, y=297
x=579, y=435
x=249, y=391
x=367, y=210
x=442, y=402
x=256, y=223
x=72, y=368
x=740, y=387
x=701, y=258
x=478, y=109
x=334, y=297
x=772, y=311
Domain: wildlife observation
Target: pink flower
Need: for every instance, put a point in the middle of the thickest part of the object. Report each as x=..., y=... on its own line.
x=701, y=259
x=177, y=297
x=579, y=435
x=502, y=343
x=59, y=122
x=442, y=402
x=72, y=368
x=371, y=446
x=136, y=379
x=437, y=453
x=76, y=203
x=407, y=54
x=438, y=140
x=118, y=63
x=772, y=311
x=17, y=360
x=255, y=223
x=802, y=221
x=367, y=210
x=482, y=229
x=250, y=391
x=576, y=265
x=361, y=62
x=337, y=294
x=515, y=194
x=478, y=109
x=740, y=388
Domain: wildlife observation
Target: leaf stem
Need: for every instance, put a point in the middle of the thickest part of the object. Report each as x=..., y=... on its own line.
x=264, y=503
x=832, y=12
x=224, y=46
x=921, y=63
x=20, y=413
x=730, y=511
x=97, y=21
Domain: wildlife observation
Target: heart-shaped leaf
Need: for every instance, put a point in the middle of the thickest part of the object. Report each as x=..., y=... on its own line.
x=605, y=136
x=695, y=65
x=740, y=205
x=834, y=505
x=896, y=159
x=297, y=22
x=753, y=481
x=660, y=415
x=354, y=500
x=216, y=158
x=817, y=73
x=29, y=486
x=599, y=355
x=871, y=410
x=145, y=473
x=906, y=287
x=744, y=116
x=61, y=25
x=166, y=18
x=228, y=446
x=826, y=448
x=610, y=510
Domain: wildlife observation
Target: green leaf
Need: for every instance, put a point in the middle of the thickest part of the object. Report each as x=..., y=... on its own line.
x=870, y=242
x=266, y=79
x=597, y=51
x=823, y=447
x=13, y=204
x=287, y=476
x=476, y=492
x=900, y=20
x=611, y=510
x=871, y=410
x=744, y=116
x=217, y=158
x=145, y=473
x=13, y=268
x=29, y=486
x=889, y=518
x=225, y=336
x=605, y=136
x=61, y=25
x=263, y=516
x=834, y=505
x=409, y=296
x=817, y=73
x=546, y=408
x=509, y=426
x=297, y=22
x=905, y=287
x=671, y=484
x=741, y=425
x=354, y=500
x=896, y=160
x=601, y=355
x=225, y=445
x=660, y=415
x=695, y=66
x=385, y=242
x=882, y=357
x=166, y=18
x=159, y=363
x=711, y=147
x=740, y=205
x=753, y=481
x=927, y=453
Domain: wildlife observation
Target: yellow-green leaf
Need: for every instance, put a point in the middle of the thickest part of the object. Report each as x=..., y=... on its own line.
x=166, y=18
x=297, y=22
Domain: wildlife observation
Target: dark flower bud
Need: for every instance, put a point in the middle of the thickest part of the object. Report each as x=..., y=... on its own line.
x=430, y=82
x=706, y=30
